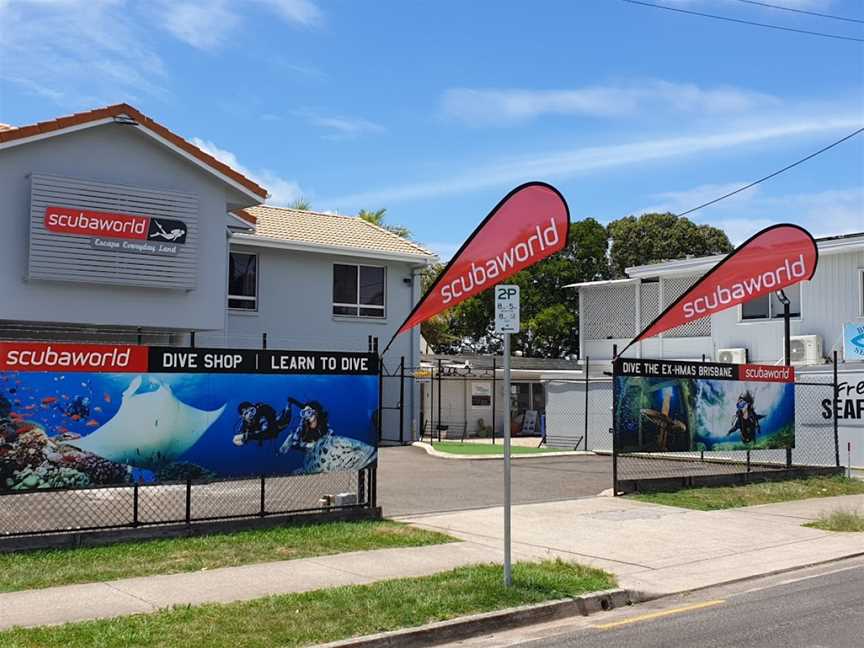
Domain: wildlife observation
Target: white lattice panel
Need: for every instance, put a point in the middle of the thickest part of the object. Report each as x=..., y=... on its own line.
x=673, y=288
x=609, y=312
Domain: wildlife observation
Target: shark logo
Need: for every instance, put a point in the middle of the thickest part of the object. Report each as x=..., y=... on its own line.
x=165, y=229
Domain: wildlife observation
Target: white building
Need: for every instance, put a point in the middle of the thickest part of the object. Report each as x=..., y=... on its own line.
x=309, y=281
x=613, y=312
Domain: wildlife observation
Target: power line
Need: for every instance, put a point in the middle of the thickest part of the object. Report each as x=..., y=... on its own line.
x=776, y=173
x=801, y=11
x=744, y=22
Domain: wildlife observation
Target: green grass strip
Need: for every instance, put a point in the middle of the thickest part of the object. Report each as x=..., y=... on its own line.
x=723, y=497
x=325, y=615
x=37, y=569
x=839, y=520
x=455, y=447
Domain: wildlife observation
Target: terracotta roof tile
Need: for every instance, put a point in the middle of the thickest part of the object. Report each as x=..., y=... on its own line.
x=8, y=135
x=285, y=224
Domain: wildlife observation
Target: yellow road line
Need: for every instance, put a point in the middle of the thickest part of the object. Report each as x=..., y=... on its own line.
x=657, y=615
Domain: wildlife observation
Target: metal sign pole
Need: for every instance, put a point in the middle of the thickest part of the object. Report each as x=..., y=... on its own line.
x=508, y=574
x=507, y=322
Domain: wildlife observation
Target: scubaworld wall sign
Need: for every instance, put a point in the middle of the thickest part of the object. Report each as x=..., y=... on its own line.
x=117, y=231
x=77, y=415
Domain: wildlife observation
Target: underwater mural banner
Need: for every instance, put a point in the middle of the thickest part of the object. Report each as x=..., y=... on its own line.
x=672, y=406
x=78, y=415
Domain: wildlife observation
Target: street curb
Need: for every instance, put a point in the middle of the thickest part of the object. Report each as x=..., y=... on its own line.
x=476, y=624
x=545, y=455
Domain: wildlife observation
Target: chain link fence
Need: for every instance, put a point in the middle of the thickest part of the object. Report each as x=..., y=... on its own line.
x=181, y=501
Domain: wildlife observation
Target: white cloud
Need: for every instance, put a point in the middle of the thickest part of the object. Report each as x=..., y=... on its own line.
x=203, y=25
x=344, y=127
x=207, y=24
x=303, y=12
x=81, y=53
x=77, y=52
x=282, y=190
x=573, y=162
x=504, y=106
x=823, y=213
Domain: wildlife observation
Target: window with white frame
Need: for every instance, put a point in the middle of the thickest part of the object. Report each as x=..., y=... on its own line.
x=243, y=281
x=358, y=290
x=770, y=307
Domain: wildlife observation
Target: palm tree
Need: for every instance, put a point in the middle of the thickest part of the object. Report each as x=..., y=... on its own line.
x=377, y=218
x=301, y=203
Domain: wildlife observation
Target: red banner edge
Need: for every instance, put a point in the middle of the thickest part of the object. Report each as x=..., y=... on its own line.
x=477, y=230
x=712, y=270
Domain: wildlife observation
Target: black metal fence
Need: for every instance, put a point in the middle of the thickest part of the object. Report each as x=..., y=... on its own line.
x=131, y=507
x=44, y=511
x=816, y=450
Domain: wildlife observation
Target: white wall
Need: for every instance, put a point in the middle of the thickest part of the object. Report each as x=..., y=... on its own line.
x=295, y=291
x=122, y=155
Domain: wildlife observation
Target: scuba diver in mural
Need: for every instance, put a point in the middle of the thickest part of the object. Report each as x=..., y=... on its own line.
x=260, y=422
x=314, y=425
x=746, y=419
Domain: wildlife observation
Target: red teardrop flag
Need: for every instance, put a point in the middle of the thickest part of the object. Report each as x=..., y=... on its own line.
x=778, y=257
x=531, y=223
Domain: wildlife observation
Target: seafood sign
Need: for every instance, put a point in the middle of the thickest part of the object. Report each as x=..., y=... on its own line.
x=668, y=406
x=82, y=415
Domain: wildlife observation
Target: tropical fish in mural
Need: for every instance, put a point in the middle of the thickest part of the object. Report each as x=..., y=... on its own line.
x=150, y=428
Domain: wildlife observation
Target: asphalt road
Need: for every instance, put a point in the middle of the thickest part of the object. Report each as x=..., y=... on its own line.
x=411, y=482
x=821, y=607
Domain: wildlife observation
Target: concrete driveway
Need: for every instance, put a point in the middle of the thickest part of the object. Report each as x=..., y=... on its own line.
x=411, y=482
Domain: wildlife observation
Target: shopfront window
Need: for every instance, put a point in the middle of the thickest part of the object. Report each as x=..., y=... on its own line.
x=243, y=281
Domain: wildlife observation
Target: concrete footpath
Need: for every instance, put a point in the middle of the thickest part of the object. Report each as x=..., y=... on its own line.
x=659, y=550
x=654, y=550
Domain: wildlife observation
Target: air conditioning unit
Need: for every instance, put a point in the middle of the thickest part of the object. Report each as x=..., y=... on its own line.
x=807, y=350
x=732, y=356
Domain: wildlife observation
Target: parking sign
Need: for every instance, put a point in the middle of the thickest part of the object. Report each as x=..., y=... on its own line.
x=506, y=309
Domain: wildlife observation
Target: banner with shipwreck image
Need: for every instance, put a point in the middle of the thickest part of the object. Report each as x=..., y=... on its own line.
x=670, y=406
x=76, y=415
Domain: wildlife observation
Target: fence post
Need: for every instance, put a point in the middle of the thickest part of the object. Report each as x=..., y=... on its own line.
x=188, y=500
x=834, y=402
x=373, y=485
x=614, y=439
x=192, y=339
x=139, y=337
x=587, y=363
x=402, y=400
x=361, y=487
x=380, y=420
x=494, y=394
x=135, y=505
x=263, y=510
x=264, y=340
x=439, y=400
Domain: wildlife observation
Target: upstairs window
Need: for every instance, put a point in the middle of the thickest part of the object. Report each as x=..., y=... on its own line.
x=243, y=281
x=770, y=306
x=358, y=290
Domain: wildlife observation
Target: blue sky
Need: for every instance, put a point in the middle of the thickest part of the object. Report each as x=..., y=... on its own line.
x=435, y=109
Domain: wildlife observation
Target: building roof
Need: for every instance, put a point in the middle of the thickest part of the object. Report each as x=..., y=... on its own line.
x=126, y=114
x=693, y=265
x=330, y=232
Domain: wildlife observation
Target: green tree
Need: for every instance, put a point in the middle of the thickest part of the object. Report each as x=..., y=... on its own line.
x=659, y=237
x=549, y=310
x=377, y=218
